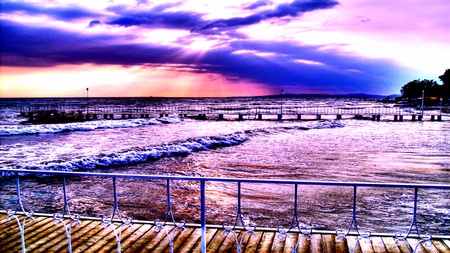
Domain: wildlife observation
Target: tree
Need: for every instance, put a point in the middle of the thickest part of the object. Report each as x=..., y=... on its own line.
x=445, y=78
x=445, y=89
x=414, y=89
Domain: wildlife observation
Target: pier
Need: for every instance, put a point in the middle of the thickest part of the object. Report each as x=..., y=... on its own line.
x=23, y=230
x=73, y=113
x=43, y=236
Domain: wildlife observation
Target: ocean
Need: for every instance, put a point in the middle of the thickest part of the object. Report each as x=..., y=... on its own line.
x=346, y=150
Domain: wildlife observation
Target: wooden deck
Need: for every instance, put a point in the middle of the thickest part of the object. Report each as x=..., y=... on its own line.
x=42, y=235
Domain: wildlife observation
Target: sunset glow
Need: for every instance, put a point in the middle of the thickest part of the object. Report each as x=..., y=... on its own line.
x=220, y=48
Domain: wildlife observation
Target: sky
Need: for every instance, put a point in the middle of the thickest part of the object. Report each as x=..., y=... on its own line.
x=196, y=48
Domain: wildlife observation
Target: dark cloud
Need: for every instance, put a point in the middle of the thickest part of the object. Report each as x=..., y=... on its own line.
x=171, y=20
x=142, y=2
x=338, y=72
x=156, y=17
x=160, y=16
x=258, y=4
x=67, y=13
x=62, y=47
x=293, y=9
x=94, y=23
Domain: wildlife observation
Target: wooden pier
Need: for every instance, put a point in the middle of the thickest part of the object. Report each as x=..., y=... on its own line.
x=63, y=114
x=43, y=235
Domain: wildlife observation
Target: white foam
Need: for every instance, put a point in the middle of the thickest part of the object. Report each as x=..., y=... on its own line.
x=141, y=155
x=83, y=126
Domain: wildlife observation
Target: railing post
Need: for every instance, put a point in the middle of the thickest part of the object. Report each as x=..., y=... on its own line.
x=203, y=214
x=12, y=215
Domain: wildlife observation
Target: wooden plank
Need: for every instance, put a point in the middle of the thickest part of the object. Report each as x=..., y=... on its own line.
x=77, y=231
x=59, y=240
x=127, y=242
x=165, y=244
x=341, y=245
x=174, y=235
x=413, y=243
x=230, y=242
x=6, y=225
x=253, y=243
x=84, y=241
x=266, y=242
x=43, y=236
x=31, y=234
x=446, y=242
x=365, y=245
x=12, y=227
x=187, y=245
x=126, y=232
x=290, y=244
x=181, y=239
x=428, y=247
x=304, y=245
x=9, y=232
x=352, y=245
x=217, y=241
x=328, y=243
x=139, y=243
x=96, y=240
x=316, y=243
x=440, y=245
x=278, y=243
x=160, y=236
x=244, y=240
x=391, y=246
x=210, y=234
x=422, y=248
x=46, y=241
x=378, y=245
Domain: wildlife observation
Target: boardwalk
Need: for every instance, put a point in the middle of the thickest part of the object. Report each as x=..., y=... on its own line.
x=55, y=113
x=43, y=235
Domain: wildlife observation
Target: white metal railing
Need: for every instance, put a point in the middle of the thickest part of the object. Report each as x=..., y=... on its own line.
x=117, y=222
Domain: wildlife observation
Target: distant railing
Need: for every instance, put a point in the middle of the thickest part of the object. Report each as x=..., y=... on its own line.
x=260, y=110
x=116, y=222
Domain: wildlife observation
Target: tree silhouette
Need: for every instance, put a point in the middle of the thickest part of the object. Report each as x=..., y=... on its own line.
x=445, y=89
x=445, y=78
x=414, y=89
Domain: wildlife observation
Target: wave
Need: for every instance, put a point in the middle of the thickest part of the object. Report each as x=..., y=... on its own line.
x=84, y=126
x=325, y=124
x=180, y=148
x=140, y=155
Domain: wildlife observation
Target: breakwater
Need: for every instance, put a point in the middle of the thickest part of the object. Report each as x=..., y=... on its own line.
x=61, y=114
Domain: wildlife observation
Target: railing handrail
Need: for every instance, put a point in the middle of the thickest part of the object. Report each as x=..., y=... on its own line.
x=240, y=223
x=229, y=180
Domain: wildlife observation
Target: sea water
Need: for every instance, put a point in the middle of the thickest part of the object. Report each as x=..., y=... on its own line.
x=347, y=150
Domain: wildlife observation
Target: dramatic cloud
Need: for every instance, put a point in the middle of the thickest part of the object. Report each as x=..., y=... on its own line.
x=94, y=23
x=273, y=63
x=66, y=13
x=300, y=46
x=293, y=9
x=258, y=4
x=175, y=20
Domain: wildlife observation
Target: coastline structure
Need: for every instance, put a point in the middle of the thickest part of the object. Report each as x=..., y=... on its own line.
x=64, y=114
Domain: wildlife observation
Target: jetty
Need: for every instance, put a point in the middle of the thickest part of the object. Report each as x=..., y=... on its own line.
x=22, y=230
x=42, y=235
x=74, y=113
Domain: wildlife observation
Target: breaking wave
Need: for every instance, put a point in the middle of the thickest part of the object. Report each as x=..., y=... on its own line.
x=84, y=126
x=140, y=155
x=153, y=153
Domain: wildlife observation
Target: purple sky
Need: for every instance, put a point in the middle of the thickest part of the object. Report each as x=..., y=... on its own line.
x=220, y=48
